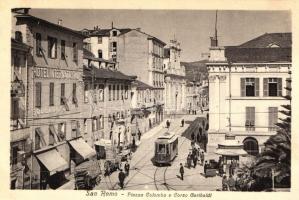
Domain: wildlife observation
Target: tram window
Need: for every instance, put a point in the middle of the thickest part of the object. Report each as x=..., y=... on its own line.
x=161, y=148
x=167, y=149
x=173, y=146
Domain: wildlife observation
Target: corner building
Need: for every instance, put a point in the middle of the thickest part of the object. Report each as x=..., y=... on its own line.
x=55, y=98
x=246, y=88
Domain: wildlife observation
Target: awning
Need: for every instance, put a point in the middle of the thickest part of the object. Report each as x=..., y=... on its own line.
x=231, y=152
x=53, y=161
x=103, y=142
x=82, y=148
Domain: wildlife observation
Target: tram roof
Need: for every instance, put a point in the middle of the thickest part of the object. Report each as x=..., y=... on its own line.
x=166, y=135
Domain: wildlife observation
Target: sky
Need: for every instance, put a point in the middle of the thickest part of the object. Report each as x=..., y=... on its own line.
x=192, y=28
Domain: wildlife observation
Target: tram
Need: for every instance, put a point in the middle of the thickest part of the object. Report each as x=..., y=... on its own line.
x=166, y=148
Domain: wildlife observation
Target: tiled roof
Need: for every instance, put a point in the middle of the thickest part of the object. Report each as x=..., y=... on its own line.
x=283, y=40
x=270, y=47
x=141, y=85
x=31, y=19
x=249, y=55
x=104, y=32
x=105, y=74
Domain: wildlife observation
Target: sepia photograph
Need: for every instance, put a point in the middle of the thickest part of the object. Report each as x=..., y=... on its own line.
x=150, y=100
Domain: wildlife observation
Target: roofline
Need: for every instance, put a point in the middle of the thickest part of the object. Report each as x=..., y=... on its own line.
x=36, y=19
x=250, y=63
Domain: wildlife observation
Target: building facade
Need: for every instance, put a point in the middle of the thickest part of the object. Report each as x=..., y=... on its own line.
x=55, y=99
x=107, y=102
x=175, y=83
x=246, y=89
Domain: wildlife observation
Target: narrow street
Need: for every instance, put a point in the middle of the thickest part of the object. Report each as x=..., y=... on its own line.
x=144, y=175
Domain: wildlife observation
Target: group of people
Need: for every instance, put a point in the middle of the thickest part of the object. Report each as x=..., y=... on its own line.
x=122, y=175
x=194, y=156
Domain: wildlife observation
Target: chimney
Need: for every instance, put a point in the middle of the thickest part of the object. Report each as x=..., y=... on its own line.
x=112, y=25
x=60, y=22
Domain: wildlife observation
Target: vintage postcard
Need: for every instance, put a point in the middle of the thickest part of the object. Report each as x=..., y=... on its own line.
x=144, y=100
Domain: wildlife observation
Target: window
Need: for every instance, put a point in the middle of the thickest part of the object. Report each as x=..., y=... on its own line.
x=18, y=36
x=75, y=52
x=62, y=93
x=38, y=44
x=75, y=100
x=100, y=40
x=75, y=128
x=62, y=53
x=100, y=122
x=250, y=87
x=100, y=53
x=85, y=125
x=37, y=141
x=288, y=86
x=85, y=93
x=126, y=92
x=95, y=90
x=273, y=116
x=113, y=46
x=250, y=119
x=251, y=146
x=94, y=124
x=62, y=130
x=109, y=92
x=51, y=100
x=272, y=87
x=117, y=92
x=14, y=154
x=113, y=94
x=52, y=47
x=114, y=33
x=15, y=109
x=161, y=148
x=101, y=92
x=38, y=94
x=51, y=138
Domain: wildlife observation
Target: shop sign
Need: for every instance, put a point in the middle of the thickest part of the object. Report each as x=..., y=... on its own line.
x=40, y=72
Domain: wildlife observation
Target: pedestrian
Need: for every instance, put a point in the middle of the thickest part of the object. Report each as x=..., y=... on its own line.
x=139, y=134
x=205, y=167
x=127, y=168
x=189, y=160
x=238, y=182
x=194, y=160
x=121, y=178
x=183, y=122
x=192, y=136
x=224, y=183
x=167, y=123
x=202, y=157
x=231, y=183
x=182, y=171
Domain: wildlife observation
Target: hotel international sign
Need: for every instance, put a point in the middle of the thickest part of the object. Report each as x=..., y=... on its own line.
x=55, y=73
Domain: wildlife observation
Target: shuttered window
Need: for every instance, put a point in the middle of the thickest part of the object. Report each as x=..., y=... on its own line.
x=75, y=52
x=117, y=92
x=113, y=94
x=38, y=48
x=51, y=100
x=249, y=87
x=109, y=92
x=74, y=93
x=62, y=46
x=288, y=85
x=250, y=119
x=273, y=117
x=101, y=92
x=62, y=95
x=38, y=94
x=52, y=47
x=265, y=86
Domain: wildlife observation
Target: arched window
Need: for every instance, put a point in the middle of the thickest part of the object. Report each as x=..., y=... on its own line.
x=18, y=36
x=251, y=146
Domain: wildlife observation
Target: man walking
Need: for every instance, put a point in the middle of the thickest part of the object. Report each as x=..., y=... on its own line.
x=183, y=122
x=194, y=160
x=127, y=168
x=202, y=157
x=182, y=171
x=121, y=178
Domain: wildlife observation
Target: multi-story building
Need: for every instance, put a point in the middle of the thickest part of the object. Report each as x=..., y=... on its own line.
x=246, y=89
x=136, y=54
x=19, y=129
x=175, y=83
x=193, y=97
x=140, y=54
x=55, y=99
x=107, y=102
x=141, y=104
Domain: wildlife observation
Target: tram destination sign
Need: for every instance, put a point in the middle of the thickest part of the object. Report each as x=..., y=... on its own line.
x=41, y=72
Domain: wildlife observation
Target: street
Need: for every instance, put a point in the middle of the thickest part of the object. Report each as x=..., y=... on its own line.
x=144, y=175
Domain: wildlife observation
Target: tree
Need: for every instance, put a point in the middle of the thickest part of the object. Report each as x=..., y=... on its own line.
x=275, y=160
